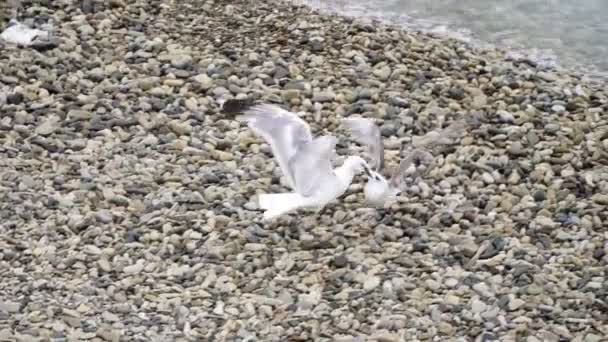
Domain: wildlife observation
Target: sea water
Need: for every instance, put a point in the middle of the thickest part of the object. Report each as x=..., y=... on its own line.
x=564, y=33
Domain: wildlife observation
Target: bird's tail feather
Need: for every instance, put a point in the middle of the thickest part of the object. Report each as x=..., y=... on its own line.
x=278, y=204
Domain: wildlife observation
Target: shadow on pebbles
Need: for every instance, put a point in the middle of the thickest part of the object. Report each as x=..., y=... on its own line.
x=127, y=200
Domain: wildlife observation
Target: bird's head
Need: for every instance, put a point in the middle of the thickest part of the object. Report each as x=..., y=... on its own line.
x=377, y=190
x=357, y=164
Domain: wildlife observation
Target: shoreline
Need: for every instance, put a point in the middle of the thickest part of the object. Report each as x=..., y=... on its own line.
x=127, y=198
x=590, y=74
x=545, y=58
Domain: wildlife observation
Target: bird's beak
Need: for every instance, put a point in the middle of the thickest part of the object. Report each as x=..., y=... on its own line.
x=367, y=170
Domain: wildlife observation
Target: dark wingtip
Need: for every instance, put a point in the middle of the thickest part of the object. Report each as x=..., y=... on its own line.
x=368, y=171
x=233, y=107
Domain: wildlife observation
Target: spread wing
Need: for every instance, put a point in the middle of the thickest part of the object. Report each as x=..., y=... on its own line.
x=367, y=133
x=284, y=131
x=312, y=164
x=445, y=136
x=236, y=106
x=417, y=156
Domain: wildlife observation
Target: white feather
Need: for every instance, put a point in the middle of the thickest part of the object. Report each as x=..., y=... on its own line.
x=305, y=161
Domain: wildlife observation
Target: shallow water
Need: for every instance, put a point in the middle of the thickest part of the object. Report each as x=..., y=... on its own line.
x=554, y=32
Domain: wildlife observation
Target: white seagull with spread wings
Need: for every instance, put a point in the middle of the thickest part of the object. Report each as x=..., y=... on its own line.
x=305, y=161
x=378, y=189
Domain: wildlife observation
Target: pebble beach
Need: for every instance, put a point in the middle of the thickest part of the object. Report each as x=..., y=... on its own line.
x=127, y=198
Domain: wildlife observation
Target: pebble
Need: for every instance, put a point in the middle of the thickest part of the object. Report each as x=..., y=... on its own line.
x=325, y=96
x=290, y=94
x=371, y=283
x=487, y=178
x=516, y=303
x=478, y=306
x=133, y=211
x=135, y=268
x=49, y=126
x=517, y=150
x=383, y=73
x=76, y=114
x=547, y=76
x=451, y=282
x=601, y=199
x=181, y=61
x=505, y=116
x=558, y=108
x=204, y=82
x=479, y=101
x=9, y=307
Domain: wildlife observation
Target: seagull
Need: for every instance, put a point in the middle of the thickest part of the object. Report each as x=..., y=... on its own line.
x=304, y=161
x=379, y=189
x=445, y=136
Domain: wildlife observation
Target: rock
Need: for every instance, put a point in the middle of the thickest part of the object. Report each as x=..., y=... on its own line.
x=516, y=303
x=179, y=127
x=340, y=261
x=451, y=282
x=87, y=6
x=173, y=82
x=294, y=70
x=578, y=90
x=505, y=116
x=534, y=289
x=316, y=43
x=48, y=126
x=117, y=3
x=590, y=337
x=9, y=307
x=205, y=82
x=487, y=178
x=540, y=195
x=600, y=199
x=181, y=61
x=456, y=93
x=383, y=73
x=109, y=317
x=108, y=334
x=399, y=102
x=149, y=140
x=229, y=10
x=371, y=283
x=14, y=98
x=148, y=83
x=452, y=300
x=325, y=96
x=191, y=104
x=290, y=94
x=131, y=190
x=135, y=268
x=547, y=76
x=445, y=328
x=76, y=114
x=552, y=128
x=86, y=29
x=105, y=265
x=558, y=108
x=480, y=101
x=517, y=149
x=478, y=306
x=253, y=58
